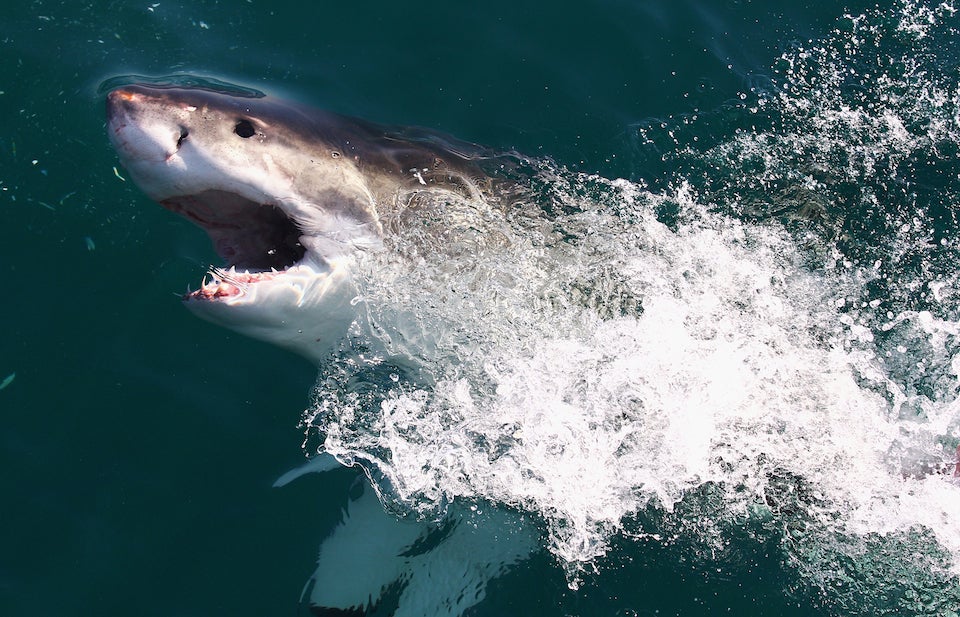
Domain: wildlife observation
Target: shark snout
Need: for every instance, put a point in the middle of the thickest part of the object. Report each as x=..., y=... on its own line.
x=121, y=104
x=137, y=134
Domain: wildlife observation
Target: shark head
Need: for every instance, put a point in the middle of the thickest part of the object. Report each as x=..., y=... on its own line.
x=287, y=194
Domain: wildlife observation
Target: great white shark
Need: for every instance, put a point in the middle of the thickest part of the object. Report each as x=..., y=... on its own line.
x=290, y=196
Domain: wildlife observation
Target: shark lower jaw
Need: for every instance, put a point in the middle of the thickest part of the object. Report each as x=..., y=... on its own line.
x=231, y=285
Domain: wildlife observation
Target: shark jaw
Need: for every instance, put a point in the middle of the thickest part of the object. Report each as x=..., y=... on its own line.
x=235, y=167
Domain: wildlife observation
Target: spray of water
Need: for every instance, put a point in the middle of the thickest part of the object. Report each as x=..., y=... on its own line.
x=775, y=319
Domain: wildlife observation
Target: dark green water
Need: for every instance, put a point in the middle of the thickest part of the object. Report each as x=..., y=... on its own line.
x=140, y=444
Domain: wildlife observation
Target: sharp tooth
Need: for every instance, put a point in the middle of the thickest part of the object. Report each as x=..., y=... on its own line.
x=204, y=282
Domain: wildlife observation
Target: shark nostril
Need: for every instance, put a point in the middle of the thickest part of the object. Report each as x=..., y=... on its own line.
x=184, y=133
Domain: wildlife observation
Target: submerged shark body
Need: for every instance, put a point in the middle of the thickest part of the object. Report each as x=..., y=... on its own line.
x=290, y=196
x=374, y=562
x=287, y=194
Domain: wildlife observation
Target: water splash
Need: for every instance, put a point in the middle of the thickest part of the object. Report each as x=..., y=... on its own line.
x=776, y=320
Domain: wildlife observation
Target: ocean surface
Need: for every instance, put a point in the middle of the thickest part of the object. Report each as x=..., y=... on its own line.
x=713, y=370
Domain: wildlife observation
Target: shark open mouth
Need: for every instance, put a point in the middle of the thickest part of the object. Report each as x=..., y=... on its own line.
x=256, y=241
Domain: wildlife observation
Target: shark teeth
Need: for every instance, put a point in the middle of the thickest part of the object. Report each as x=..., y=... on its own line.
x=225, y=283
x=231, y=276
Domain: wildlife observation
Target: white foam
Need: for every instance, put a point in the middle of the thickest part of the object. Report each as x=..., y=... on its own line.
x=536, y=381
x=740, y=366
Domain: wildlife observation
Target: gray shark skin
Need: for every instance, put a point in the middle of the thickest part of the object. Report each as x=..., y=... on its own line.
x=287, y=194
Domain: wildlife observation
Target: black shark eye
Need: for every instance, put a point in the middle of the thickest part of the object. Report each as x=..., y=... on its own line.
x=244, y=129
x=184, y=133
